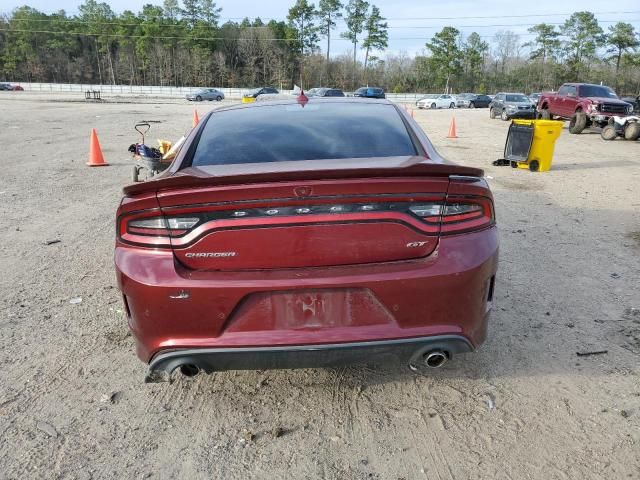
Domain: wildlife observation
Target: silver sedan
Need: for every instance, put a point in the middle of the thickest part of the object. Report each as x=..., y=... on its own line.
x=206, y=94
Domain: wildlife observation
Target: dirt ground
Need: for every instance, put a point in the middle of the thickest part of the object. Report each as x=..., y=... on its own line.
x=72, y=399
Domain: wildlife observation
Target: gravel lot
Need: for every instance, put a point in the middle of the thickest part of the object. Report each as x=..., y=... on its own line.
x=72, y=399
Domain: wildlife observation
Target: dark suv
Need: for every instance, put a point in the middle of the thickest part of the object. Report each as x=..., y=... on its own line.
x=511, y=105
x=328, y=92
x=369, y=92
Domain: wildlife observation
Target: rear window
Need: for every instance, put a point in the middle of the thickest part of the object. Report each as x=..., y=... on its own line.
x=278, y=133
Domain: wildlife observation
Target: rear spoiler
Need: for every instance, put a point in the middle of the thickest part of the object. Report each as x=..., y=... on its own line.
x=195, y=177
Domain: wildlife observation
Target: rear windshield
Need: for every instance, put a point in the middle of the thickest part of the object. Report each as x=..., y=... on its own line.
x=279, y=133
x=596, y=91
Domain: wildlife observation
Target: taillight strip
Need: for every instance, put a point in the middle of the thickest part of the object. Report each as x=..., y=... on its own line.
x=428, y=216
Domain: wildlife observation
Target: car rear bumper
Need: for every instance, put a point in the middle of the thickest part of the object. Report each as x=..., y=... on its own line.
x=171, y=308
x=411, y=351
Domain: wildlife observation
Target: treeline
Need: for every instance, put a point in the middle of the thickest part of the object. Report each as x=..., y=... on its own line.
x=186, y=44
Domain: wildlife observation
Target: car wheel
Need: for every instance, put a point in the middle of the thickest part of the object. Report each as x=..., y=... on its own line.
x=433, y=105
x=452, y=105
x=504, y=116
x=545, y=115
x=472, y=105
x=492, y=113
x=577, y=123
x=632, y=131
x=609, y=133
x=218, y=98
x=534, y=165
x=198, y=98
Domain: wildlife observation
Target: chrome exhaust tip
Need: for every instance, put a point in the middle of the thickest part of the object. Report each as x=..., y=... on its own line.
x=435, y=359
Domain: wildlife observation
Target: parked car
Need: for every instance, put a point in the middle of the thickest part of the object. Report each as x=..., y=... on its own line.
x=437, y=101
x=634, y=101
x=261, y=91
x=369, y=92
x=291, y=237
x=511, y=105
x=480, y=101
x=463, y=99
x=206, y=94
x=9, y=87
x=535, y=97
x=583, y=104
x=328, y=92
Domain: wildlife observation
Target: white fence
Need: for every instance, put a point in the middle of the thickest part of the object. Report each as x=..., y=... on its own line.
x=168, y=92
x=126, y=90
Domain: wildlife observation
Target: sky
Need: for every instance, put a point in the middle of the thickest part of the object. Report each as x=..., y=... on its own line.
x=411, y=23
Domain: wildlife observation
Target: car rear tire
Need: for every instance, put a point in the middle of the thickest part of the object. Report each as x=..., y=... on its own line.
x=504, y=116
x=472, y=105
x=198, y=98
x=577, y=123
x=492, y=113
x=609, y=133
x=452, y=105
x=218, y=98
x=545, y=115
x=632, y=131
x=433, y=105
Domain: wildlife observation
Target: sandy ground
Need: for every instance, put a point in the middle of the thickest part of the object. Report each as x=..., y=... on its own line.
x=72, y=399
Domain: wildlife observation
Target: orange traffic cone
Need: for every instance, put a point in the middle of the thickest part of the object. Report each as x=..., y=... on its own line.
x=196, y=119
x=412, y=113
x=96, y=159
x=452, y=129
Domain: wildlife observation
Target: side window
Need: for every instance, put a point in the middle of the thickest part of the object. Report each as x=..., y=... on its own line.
x=563, y=90
x=572, y=91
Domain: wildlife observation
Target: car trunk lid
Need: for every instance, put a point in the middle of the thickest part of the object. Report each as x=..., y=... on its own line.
x=307, y=219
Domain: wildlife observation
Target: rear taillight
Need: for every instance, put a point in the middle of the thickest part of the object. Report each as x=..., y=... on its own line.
x=463, y=214
x=153, y=230
x=459, y=214
x=456, y=214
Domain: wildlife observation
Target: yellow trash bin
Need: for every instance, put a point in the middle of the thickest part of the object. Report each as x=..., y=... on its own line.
x=530, y=143
x=248, y=99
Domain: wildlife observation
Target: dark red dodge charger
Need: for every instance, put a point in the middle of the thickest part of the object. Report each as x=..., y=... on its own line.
x=291, y=234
